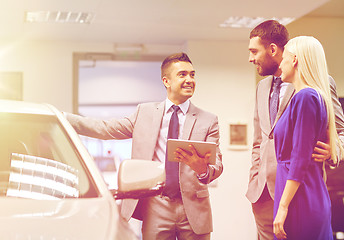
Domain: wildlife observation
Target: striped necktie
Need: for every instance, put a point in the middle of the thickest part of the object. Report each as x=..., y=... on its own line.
x=274, y=100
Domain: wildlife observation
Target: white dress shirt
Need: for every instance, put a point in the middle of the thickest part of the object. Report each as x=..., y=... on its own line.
x=160, y=148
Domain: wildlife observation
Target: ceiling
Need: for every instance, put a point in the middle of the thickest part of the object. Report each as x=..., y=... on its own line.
x=152, y=21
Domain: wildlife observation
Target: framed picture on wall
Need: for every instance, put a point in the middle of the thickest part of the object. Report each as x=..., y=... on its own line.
x=238, y=136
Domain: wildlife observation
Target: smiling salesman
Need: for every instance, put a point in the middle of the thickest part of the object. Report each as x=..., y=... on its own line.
x=183, y=210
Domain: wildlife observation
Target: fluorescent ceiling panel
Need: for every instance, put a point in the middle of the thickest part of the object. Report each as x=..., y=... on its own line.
x=58, y=17
x=249, y=22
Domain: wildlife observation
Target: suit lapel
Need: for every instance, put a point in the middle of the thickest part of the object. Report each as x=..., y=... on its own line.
x=266, y=101
x=157, y=120
x=190, y=120
x=289, y=93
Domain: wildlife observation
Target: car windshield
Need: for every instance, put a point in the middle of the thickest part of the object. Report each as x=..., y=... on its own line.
x=39, y=161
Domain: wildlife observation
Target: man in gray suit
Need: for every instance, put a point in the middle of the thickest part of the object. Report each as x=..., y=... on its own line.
x=187, y=213
x=266, y=46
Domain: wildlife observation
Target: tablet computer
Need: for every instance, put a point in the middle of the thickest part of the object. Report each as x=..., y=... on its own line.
x=201, y=147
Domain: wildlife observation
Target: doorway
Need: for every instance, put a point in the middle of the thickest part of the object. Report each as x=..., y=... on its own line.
x=108, y=86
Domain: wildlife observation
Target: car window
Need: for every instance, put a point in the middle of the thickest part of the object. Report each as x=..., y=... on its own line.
x=38, y=160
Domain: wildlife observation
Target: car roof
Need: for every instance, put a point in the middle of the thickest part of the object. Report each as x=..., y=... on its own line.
x=11, y=106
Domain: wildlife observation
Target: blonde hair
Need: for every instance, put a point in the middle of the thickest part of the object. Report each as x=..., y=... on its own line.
x=313, y=72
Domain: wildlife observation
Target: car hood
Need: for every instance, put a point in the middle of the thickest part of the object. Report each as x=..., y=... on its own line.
x=95, y=218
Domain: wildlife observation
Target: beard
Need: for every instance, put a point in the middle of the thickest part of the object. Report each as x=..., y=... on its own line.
x=268, y=67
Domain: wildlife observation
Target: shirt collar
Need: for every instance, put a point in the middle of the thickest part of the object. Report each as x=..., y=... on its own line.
x=282, y=84
x=184, y=107
x=274, y=79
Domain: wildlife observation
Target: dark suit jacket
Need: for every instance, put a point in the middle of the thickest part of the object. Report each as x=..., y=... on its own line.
x=264, y=163
x=143, y=127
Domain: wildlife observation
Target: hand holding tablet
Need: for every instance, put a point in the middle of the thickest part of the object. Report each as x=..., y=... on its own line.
x=201, y=147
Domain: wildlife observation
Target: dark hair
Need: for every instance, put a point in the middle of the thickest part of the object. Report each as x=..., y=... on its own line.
x=271, y=31
x=177, y=57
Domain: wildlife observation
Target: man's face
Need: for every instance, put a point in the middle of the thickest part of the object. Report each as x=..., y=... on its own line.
x=262, y=57
x=180, y=82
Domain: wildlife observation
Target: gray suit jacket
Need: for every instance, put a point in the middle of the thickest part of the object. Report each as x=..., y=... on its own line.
x=264, y=163
x=143, y=127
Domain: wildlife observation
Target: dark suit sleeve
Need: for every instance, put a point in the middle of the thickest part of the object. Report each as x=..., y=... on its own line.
x=338, y=111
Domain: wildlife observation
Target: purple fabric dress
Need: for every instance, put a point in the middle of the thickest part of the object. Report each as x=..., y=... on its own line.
x=303, y=123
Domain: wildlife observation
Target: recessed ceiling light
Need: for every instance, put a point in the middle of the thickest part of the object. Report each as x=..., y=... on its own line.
x=58, y=17
x=249, y=22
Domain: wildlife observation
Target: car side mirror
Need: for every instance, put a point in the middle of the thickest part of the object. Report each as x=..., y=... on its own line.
x=139, y=178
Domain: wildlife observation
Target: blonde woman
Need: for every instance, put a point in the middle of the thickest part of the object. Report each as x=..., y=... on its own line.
x=302, y=207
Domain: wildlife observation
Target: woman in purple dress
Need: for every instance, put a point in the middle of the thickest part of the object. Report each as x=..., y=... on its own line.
x=302, y=207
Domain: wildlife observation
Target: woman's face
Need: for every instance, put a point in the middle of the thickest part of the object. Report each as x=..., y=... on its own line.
x=288, y=66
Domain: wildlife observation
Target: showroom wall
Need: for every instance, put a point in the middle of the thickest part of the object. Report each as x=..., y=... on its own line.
x=330, y=32
x=226, y=87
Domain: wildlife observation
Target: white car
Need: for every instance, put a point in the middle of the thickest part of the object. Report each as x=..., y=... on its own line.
x=50, y=187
